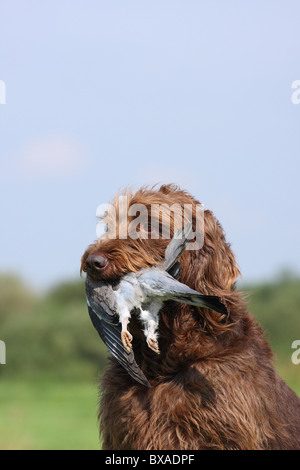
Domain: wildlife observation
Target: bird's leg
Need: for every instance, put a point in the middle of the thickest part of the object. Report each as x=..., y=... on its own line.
x=123, y=311
x=125, y=335
x=151, y=336
x=150, y=318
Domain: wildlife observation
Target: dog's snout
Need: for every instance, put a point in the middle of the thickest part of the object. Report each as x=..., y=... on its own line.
x=95, y=263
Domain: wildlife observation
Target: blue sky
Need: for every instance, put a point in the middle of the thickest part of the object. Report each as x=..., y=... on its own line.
x=104, y=94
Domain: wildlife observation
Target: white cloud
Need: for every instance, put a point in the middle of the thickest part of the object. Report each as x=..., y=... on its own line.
x=51, y=156
x=45, y=157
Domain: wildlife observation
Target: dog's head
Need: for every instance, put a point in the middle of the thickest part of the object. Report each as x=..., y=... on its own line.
x=139, y=227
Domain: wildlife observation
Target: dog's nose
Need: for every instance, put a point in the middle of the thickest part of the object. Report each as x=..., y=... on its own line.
x=95, y=264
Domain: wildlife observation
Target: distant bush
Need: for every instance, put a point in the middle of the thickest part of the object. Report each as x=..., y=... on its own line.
x=48, y=335
x=68, y=292
x=15, y=297
x=277, y=308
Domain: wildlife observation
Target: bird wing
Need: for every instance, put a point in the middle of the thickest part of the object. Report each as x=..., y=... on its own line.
x=101, y=298
x=158, y=283
x=111, y=336
x=101, y=305
x=177, y=246
x=175, y=270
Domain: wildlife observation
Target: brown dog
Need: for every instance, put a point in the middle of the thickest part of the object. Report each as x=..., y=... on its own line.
x=213, y=386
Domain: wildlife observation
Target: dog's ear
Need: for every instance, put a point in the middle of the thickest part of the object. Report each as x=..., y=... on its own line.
x=214, y=265
x=221, y=267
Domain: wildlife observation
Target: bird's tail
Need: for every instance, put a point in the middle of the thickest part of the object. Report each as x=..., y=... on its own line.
x=205, y=301
x=182, y=293
x=177, y=246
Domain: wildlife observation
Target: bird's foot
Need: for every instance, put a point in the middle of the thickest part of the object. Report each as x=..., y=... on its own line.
x=126, y=340
x=153, y=344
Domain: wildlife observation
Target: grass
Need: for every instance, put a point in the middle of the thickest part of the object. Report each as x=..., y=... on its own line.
x=48, y=415
x=60, y=415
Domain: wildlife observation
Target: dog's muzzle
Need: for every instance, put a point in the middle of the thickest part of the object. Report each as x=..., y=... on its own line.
x=95, y=264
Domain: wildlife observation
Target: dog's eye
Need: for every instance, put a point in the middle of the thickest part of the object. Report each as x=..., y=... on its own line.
x=101, y=228
x=146, y=227
x=153, y=230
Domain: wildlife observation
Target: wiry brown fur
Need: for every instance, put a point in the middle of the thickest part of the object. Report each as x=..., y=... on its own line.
x=214, y=385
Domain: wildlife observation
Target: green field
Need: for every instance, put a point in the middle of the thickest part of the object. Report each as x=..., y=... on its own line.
x=48, y=415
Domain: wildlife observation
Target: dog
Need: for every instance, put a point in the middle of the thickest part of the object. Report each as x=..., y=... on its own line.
x=214, y=385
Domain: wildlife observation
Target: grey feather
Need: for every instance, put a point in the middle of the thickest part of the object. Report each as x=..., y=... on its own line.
x=158, y=283
x=177, y=246
x=101, y=298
